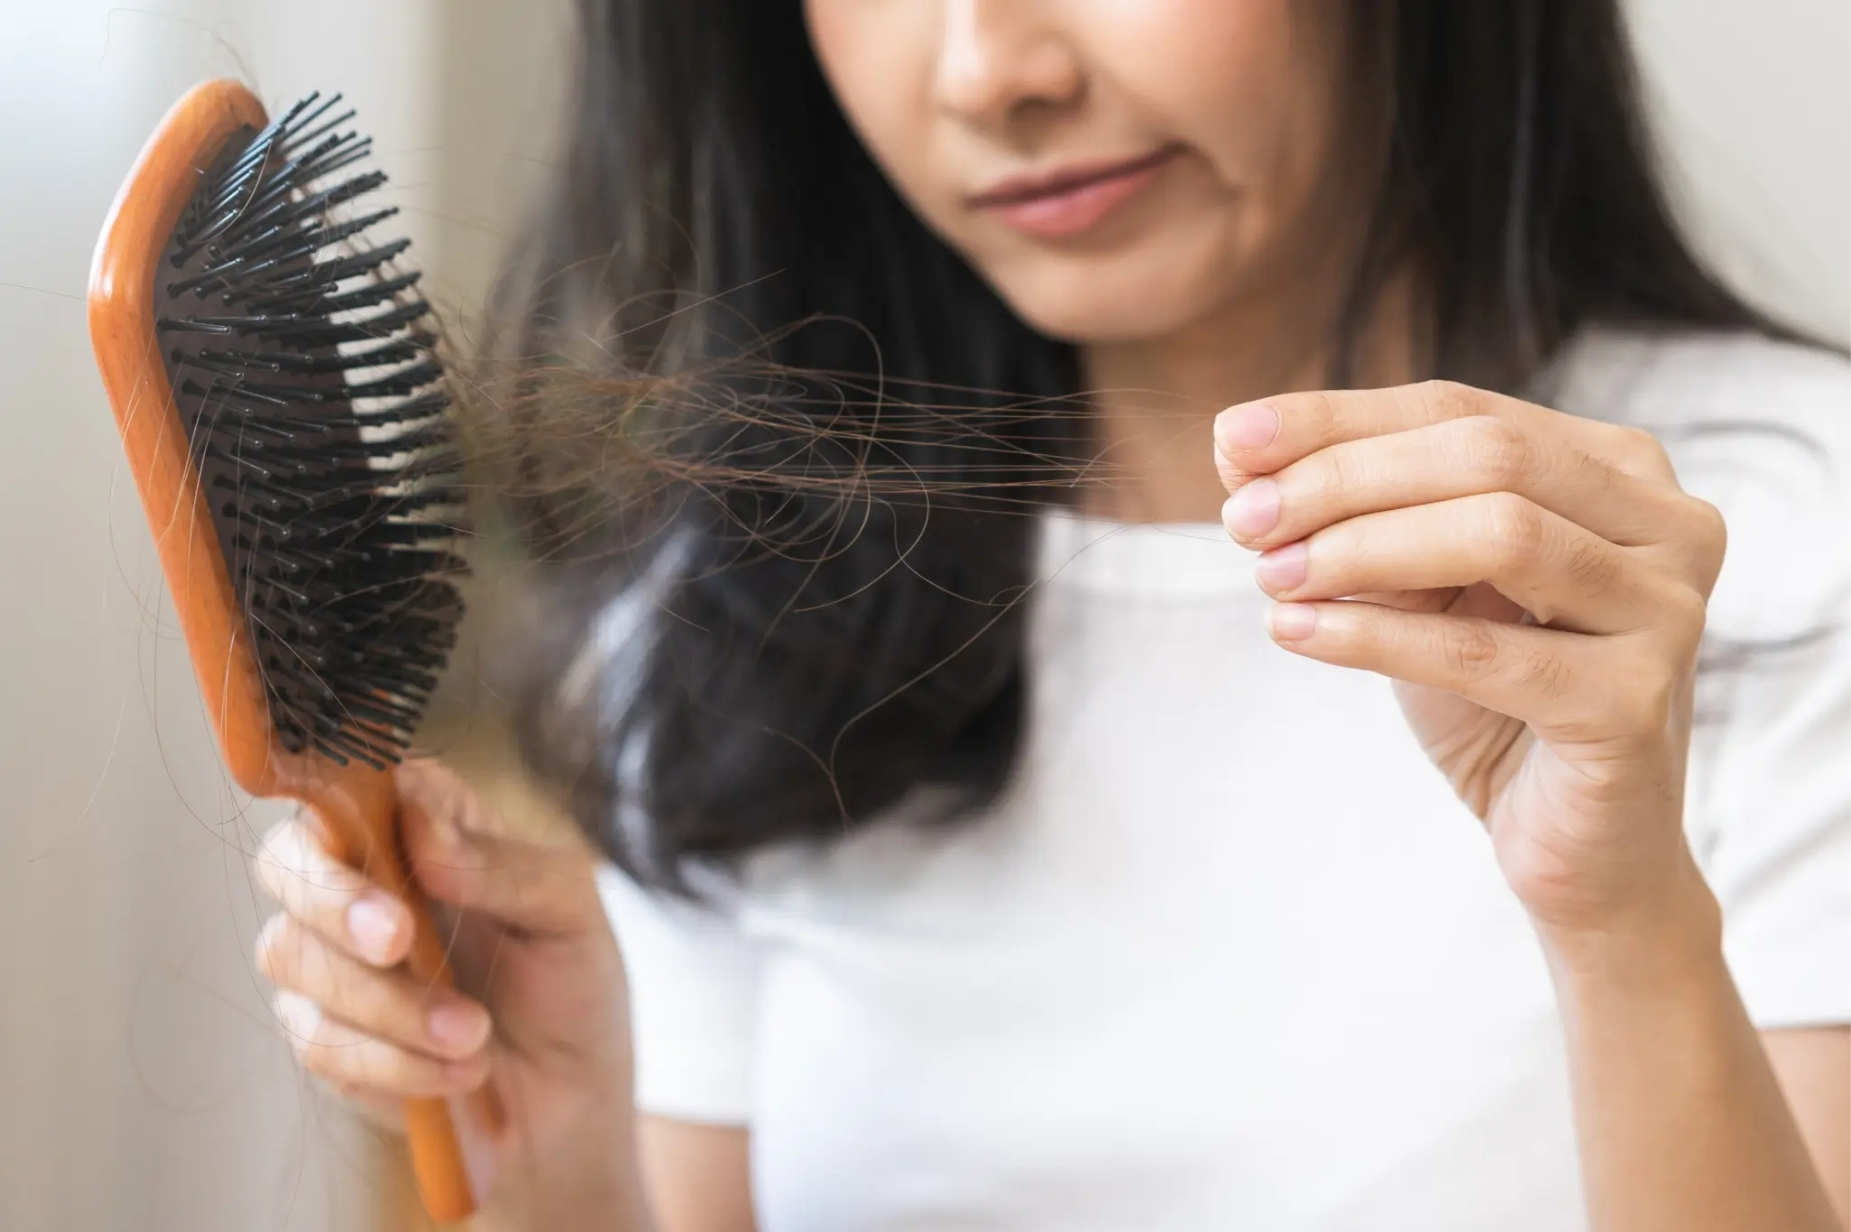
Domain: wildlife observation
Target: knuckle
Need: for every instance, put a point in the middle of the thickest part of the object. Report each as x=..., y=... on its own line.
x=330, y=1064
x=1472, y=650
x=1514, y=526
x=1642, y=453
x=1337, y=474
x=273, y=945
x=358, y=1093
x=379, y=1065
x=1496, y=452
x=275, y=855
x=1709, y=536
x=323, y=1063
x=1590, y=563
x=365, y=1065
x=1546, y=674
x=1686, y=613
x=358, y=1062
x=1449, y=398
x=1231, y=476
x=1322, y=412
x=1712, y=527
x=1649, y=699
x=434, y=788
x=278, y=838
x=301, y=1022
x=1639, y=692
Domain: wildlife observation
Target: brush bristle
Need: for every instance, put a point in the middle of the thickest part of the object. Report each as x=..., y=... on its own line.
x=307, y=382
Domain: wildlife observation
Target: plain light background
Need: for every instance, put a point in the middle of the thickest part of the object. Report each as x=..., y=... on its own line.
x=142, y=1082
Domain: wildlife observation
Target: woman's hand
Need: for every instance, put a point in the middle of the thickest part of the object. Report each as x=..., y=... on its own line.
x=544, y=1021
x=1534, y=582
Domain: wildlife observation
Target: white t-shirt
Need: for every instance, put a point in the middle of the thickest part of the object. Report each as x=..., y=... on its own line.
x=1229, y=954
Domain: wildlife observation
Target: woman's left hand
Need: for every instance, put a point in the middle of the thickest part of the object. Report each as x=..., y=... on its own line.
x=1534, y=582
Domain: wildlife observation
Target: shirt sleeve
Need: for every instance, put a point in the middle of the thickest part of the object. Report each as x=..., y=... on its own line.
x=1763, y=431
x=693, y=980
x=1774, y=832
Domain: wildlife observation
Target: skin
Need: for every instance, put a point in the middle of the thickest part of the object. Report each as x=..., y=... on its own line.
x=1407, y=531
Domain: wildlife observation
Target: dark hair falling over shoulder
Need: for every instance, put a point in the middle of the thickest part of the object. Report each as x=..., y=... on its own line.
x=774, y=442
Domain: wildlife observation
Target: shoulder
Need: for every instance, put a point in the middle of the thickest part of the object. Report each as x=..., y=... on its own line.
x=1762, y=430
x=1685, y=381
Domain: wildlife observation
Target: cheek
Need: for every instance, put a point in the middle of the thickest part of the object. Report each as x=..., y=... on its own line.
x=1229, y=77
x=1249, y=86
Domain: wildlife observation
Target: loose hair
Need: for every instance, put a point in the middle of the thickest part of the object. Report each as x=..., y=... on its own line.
x=782, y=520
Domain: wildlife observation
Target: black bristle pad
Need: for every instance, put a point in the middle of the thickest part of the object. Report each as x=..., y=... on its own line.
x=308, y=386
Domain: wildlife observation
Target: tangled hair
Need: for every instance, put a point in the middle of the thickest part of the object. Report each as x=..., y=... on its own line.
x=774, y=441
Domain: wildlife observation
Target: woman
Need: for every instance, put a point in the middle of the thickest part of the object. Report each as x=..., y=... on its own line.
x=1085, y=870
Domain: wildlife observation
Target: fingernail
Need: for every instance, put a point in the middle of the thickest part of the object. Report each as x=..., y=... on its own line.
x=1282, y=568
x=460, y=1026
x=1253, y=510
x=1247, y=427
x=298, y=1015
x=373, y=923
x=1292, y=622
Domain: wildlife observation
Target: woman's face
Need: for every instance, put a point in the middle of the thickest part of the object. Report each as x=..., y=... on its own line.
x=1117, y=169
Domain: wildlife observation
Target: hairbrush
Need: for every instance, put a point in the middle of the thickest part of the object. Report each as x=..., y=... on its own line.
x=275, y=381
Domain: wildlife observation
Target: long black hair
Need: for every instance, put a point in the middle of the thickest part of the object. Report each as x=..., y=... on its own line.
x=766, y=656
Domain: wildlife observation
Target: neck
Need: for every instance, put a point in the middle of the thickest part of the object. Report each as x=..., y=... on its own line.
x=1155, y=400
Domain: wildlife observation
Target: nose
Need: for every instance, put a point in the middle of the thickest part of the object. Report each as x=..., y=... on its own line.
x=999, y=58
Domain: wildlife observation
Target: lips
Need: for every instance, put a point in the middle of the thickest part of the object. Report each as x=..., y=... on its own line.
x=1070, y=201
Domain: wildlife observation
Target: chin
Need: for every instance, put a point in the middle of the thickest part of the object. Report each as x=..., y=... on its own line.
x=1099, y=300
x=1096, y=315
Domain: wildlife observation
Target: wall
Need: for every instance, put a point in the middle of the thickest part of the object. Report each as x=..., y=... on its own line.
x=1754, y=101
x=143, y=1084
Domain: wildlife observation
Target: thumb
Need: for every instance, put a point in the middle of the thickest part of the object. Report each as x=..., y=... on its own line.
x=457, y=856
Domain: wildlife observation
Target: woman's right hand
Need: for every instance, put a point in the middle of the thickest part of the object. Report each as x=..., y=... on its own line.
x=539, y=1013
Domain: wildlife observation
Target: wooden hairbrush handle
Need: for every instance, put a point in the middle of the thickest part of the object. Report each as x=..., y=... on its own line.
x=358, y=808
x=134, y=296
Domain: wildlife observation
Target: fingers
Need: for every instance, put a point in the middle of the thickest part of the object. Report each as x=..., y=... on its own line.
x=456, y=857
x=354, y=1062
x=354, y=1016
x=384, y=1111
x=1561, y=573
x=1259, y=438
x=530, y=887
x=1565, y=686
x=1464, y=502
x=1455, y=458
x=1299, y=463
x=333, y=900
x=392, y=1005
